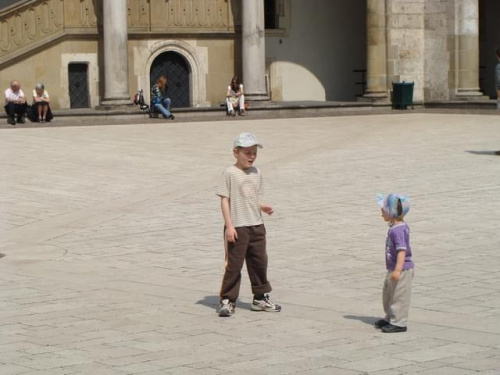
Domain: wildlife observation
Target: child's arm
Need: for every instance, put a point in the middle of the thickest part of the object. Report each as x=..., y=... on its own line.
x=230, y=233
x=400, y=261
x=266, y=208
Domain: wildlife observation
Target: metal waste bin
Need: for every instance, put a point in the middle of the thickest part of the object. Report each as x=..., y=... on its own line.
x=402, y=94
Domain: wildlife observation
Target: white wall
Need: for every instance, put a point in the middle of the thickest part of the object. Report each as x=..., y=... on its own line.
x=324, y=43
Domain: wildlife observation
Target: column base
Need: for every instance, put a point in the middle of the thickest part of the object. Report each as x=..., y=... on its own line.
x=256, y=97
x=470, y=94
x=116, y=102
x=127, y=107
x=375, y=97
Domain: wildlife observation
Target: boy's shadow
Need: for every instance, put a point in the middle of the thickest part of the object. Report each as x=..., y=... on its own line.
x=481, y=152
x=214, y=302
x=365, y=319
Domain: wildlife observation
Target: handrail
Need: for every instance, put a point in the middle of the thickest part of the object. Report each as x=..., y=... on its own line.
x=15, y=6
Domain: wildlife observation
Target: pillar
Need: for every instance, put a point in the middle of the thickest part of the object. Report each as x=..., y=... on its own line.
x=376, y=75
x=116, y=90
x=468, y=49
x=254, y=52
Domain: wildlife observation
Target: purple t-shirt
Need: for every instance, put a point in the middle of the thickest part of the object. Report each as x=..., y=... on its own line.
x=398, y=238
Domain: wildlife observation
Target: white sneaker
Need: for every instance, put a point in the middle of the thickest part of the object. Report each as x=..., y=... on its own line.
x=226, y=308
x=265, y=305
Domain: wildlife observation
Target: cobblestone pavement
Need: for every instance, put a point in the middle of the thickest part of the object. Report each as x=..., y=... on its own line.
x=112, y=238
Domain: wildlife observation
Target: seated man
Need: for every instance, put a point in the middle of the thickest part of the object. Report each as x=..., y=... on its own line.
x=15, y=103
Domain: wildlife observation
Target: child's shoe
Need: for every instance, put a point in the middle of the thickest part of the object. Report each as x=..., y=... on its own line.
x=265, y=304
x=389, y=328
x=226, y=308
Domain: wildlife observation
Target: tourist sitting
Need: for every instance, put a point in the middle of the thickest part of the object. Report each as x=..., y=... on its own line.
x=15, y=103
x=158, y=102
x=235, y=98
x=40, y=110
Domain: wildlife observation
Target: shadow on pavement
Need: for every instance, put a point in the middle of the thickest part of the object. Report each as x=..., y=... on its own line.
x=213, y=302
x=365, y=319
x=482, y=152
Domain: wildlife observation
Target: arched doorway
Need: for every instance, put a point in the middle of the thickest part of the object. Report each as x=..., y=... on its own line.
x=176, y=68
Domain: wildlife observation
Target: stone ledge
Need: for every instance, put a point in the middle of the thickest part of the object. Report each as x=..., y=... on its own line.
x=257, y=110
x=462, y=104
x=104, y=111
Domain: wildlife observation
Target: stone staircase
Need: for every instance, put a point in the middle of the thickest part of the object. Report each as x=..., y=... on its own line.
x=28, y=26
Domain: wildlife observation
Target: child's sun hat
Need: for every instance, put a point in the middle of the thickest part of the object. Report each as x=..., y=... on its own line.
x=246, y=140
x=390, y=204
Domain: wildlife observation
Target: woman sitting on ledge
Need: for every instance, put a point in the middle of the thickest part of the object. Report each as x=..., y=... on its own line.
x=235, y=98
x=158, y=102
x=40, y=110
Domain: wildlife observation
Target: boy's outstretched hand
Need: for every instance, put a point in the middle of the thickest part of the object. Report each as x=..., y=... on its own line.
x=267, y=209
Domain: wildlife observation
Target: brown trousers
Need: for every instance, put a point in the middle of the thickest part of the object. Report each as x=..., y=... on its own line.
x=250, y=247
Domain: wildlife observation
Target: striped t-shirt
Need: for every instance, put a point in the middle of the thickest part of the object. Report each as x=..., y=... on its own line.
x=243, y=188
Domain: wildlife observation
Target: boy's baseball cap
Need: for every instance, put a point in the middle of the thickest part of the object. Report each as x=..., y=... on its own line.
x=246, y=140
x=390, y=204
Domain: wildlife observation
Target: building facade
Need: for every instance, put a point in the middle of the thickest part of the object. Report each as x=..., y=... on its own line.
x=92, y=53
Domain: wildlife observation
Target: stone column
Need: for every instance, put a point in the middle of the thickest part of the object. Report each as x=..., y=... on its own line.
x=376, y=75
x=254, y=52
x=468, y=49
x=114, y=20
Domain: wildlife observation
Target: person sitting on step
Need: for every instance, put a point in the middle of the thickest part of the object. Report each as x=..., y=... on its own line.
x=235, y=99
x=159, y=103
x=15, y=103
x=40, y=110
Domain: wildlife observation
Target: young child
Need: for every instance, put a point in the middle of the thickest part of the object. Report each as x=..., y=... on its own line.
x=244, y=232
x=397, y=286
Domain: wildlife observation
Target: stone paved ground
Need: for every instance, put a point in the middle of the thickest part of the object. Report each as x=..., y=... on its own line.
x=113, y=247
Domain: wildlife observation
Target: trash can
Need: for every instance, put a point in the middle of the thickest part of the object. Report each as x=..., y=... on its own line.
x=402, y=94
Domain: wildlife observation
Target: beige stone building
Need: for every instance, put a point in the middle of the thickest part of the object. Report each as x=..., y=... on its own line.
x=100, y=52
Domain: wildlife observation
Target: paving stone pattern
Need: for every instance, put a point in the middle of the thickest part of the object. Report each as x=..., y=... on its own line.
x=112, y=237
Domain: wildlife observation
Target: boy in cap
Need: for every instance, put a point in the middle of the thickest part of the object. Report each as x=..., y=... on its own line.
x=244, y=231
x=397, y=286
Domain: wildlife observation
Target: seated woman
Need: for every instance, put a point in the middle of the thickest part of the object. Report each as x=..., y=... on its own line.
x=158, y=102
x=235, y=98
x=40, y=110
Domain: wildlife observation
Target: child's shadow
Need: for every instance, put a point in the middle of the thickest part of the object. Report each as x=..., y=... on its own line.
x=365, y=319
x=481, y=152
x=214, y=302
